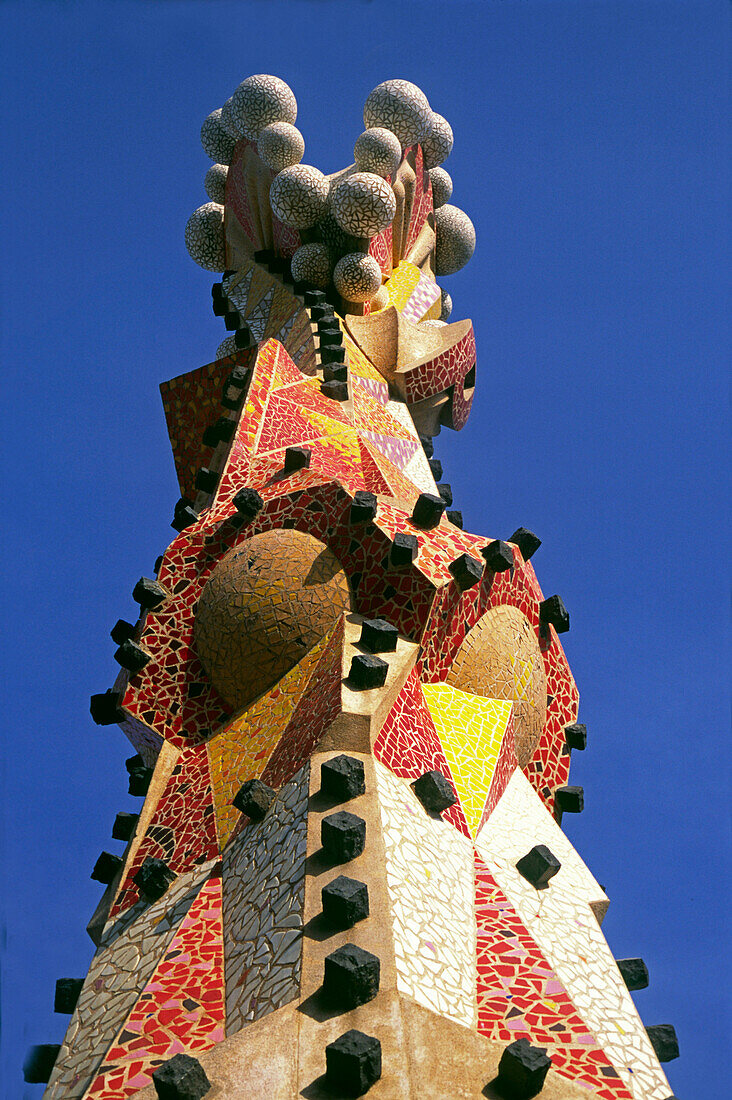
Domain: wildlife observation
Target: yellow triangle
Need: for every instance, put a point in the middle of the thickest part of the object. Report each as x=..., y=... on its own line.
x=471, y=731
x=241, y=750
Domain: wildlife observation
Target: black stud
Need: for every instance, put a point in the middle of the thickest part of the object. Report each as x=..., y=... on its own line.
x=353, y=1063
x=527, y=542
x=105, y=708
x=345, y=901
x=220, y=432
x=232, y=320
x=364, y=507
x=254, y=799
x=570, y=800
x=243, y=338
x=140, y=776
x=148, y=593
x=351, y=976
x=445, y=491
x=153, y=878
x=122, y=631
x=296, y=458
x=320, y=311
x=314, y=297
x=634, y=972
x=427, y=445
x=39, y=1063
x=367, y=671
x=207, y=480
x=132, y=657
x=455, y=517
x=124, y=826
x=184, y=515
x=436, y=467
x=403, y=550
x=539, y=865
x=330, y=339
x=238, y=378
x=427, y=511
x=553, y=611
x=106, y=868
x=278, y=265
x=575, y=735
x=263, y=256
x=328, y=324
x=378, y=636
x=332, y=355
x=335, y=390
x=300, y=289
x=466, y=571
x=248, y=503
x=498, y=556
x=664, y=1041
x=158, y=563
x=182, y=1077
x=343, y=836
x=218, y=300
x=335, y=372
x=522, y=1070
x=342, y=777
x=434, y=791
x=67, y=994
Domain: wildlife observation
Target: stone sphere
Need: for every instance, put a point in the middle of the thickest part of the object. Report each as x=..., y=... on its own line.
x=228, y=120
x=363, y=204
x=437, y=143
x=455, y=243
x=217, y=143
x=260, y=100
x=226, y=347
x=441, y=186
x=205, y=239
x=357, y=277
x=446, y=309
x=299, y=196
x=380, y=300
x=214, y=183
x=311, y=264
x=264, y=606
x=500, y=658
x=378, y=150
x=280, y=144
x=399, y=106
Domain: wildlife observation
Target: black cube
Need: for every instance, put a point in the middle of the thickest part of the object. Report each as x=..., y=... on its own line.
x=539, y=865
x=207, y=479
x=445, y=491
x=181, y=1078
x=364, y=507
x=67, y=994
x=248, y=503
x=345, y=901
x=498, y=556
x=404, y=549
x=664, y=1041
x=367, y=672
x=575, y=735
x=296, y=458
x=343, y=836
x=353, y=1063
x=434, y=791
x=254, y=799
x=466, y=571
x=634, y=972
x=153, y=878
x=105, y=708
x=122, y=631
x=106, y=867
x=527, y=542
x=351, y=976
x=455, y=517
x=553, y=611
x=39, y=1063
x=570, y=800
x=378, y=636
x=148, y=593
x=522, y=1070
x=342, y=778
x=428, y=511
x=335, y=389
x=124, y=826
x=131, y=656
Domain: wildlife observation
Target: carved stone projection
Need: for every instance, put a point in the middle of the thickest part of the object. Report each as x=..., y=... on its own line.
x=352, y=721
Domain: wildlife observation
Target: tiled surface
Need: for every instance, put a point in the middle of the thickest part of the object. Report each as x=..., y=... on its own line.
x=429, y=871
x=264, y=877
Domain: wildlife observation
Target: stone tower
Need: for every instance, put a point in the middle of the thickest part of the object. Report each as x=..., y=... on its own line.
x=352, y=721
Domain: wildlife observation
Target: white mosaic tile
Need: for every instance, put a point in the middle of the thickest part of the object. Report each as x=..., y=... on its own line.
x=563, y=924
x=429, y=870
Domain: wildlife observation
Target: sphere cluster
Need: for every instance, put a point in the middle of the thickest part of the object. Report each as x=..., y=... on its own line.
x=399, y=106
x=204, y=237
x=217, y=143
x=280, y=144
x=441, y=187
x=214, y=182
x=258, y=101
x=311, y=264
x=299, y=196
x=363, y=204
x=357, y=277
x=437, y=142
x=455, y=239
x=377, y=150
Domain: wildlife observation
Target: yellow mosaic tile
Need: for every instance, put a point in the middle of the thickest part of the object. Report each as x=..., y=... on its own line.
x=241, y=750
x=471, y=731
x=402, y=283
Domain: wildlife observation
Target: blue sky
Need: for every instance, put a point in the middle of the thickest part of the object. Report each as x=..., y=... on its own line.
x=592, y=155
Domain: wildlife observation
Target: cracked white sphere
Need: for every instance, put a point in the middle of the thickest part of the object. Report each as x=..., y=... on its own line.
x=437, y=143
x=260, y=100
x=363, y=204
x=455, y=239
x=214, y=182
x=399, y=106
x=228, y=121
x=217, y=143
x=441, y=186
x=377, y=150
x=357, y=277
x=205, y=239
x=446, y=304
x=280, y=145
x=299, y=196
x=226, y=347
x=311, y=264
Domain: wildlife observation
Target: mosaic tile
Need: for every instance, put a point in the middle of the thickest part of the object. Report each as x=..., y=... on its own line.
x=264, y=892
x=429, y=863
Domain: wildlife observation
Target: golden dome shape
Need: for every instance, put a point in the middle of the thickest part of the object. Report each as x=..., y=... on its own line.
x=265, y=605
x=500, y=659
